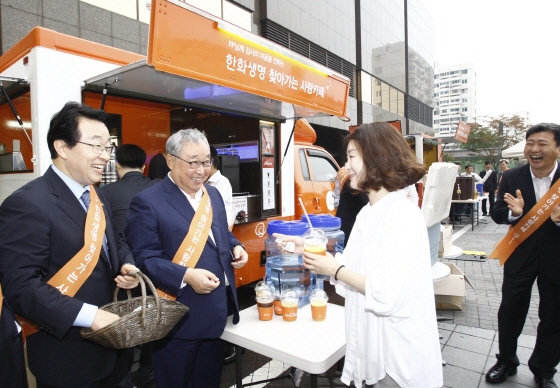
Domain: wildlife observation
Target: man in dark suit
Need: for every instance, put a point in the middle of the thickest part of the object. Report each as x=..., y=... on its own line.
x=158, y=223
x=535, y=258
x=490, y=185
x=12, y=362
x=43, y=228
x=130, y=167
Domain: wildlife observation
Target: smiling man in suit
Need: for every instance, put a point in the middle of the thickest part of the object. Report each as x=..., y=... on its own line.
x=178, y=232
x=537, y=257
x=60, y=256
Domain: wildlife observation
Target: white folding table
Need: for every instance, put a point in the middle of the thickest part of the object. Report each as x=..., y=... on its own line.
x=304, y=344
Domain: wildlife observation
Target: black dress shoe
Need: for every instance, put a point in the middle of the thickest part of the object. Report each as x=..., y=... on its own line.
x=545, y=383
x=500, y=372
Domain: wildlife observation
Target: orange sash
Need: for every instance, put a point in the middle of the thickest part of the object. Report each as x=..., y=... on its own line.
x=1, y=300
x=528, y=224
x=192, y=246
x=77, y=270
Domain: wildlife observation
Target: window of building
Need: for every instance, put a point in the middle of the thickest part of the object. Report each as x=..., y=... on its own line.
x=464, y=81
x=436, y=112
x=436, y=121
x=464, y=100
x=465, y=90
x=464, y=110
x=464, y=71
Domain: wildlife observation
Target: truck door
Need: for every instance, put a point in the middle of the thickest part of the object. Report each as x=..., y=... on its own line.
x=319, y=170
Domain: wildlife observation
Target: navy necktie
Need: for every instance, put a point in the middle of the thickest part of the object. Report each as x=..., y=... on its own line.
x=86, y=200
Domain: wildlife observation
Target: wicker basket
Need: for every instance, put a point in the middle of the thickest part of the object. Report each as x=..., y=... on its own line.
x=143, y=319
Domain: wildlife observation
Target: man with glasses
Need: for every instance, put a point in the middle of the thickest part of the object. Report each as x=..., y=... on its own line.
x=178, y=233
x=60, y=256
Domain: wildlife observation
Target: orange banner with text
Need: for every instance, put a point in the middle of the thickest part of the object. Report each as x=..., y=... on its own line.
x=206, y=48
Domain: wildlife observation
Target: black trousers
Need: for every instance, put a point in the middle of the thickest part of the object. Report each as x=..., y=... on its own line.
x=516, y=298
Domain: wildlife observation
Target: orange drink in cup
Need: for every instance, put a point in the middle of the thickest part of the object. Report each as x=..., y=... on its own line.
x=318, y=301
x=315, y=241
x=265, y=306
x=289, y=305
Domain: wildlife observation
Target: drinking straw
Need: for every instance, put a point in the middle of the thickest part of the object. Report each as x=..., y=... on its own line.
x=306, y=215
x=279, y=283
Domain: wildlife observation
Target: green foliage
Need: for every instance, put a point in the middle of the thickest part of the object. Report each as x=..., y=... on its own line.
x=448, y=157
x=484, y=139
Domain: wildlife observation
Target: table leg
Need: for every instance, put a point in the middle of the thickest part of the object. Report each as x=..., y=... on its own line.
x=313, y=381
x=472, y=216
x=238, y=371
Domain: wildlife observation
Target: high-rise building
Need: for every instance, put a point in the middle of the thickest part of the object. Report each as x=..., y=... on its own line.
x=454, y=97
x=385, y=47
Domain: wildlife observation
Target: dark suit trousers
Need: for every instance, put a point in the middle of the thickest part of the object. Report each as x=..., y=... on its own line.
x=491, y=199
x=516, y=297
x=188, y=363
x=12, y=364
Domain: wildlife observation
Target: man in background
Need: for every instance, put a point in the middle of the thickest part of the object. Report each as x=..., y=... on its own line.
x=131, y=161
x=158, y=166
x=220, y=182
x=504, y=166
x=489, y=187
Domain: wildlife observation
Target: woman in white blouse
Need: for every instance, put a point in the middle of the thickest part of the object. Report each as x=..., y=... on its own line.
x=385, y=270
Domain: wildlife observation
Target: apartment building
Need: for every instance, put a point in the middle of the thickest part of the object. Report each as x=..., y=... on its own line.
x=454, y=97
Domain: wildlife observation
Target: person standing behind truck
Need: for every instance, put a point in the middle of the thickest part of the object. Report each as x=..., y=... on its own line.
x=220, y=182
x=130, y=167
x=158, y=166
x=385, y=271
x=489, y=187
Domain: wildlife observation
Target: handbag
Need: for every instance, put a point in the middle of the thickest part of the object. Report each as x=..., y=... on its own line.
x=142, y=319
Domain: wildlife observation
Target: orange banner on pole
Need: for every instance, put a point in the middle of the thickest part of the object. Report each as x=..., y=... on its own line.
x=462, y=132
x=528, y=224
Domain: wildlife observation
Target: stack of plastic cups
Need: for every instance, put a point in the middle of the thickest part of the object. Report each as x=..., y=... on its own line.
x=331, y=226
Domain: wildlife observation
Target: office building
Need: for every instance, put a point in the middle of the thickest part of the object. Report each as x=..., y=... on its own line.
x=454, y=97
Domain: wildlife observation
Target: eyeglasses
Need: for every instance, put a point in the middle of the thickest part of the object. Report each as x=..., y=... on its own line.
x=196, y=164
x=98, y=148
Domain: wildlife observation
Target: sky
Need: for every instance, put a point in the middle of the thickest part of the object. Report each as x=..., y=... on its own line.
x=514, y=46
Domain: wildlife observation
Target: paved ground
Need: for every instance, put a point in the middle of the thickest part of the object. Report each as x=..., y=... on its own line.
x=469, y=337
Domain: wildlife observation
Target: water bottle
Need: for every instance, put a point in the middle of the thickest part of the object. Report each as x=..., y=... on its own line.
x=458, y=192
x=284, y=269
x=331, y=226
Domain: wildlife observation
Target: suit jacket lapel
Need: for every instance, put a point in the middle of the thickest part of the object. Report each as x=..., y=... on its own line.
x=74, y=209
x=176, y=199
x=66, y=199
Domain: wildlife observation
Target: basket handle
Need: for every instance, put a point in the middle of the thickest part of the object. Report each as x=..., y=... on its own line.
x=144, y=279
x=116, y=293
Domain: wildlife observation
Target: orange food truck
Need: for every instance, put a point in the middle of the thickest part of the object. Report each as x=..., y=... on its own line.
x=249, y=95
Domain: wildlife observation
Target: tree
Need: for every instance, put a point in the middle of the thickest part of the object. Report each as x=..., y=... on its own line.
x=484, y=138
